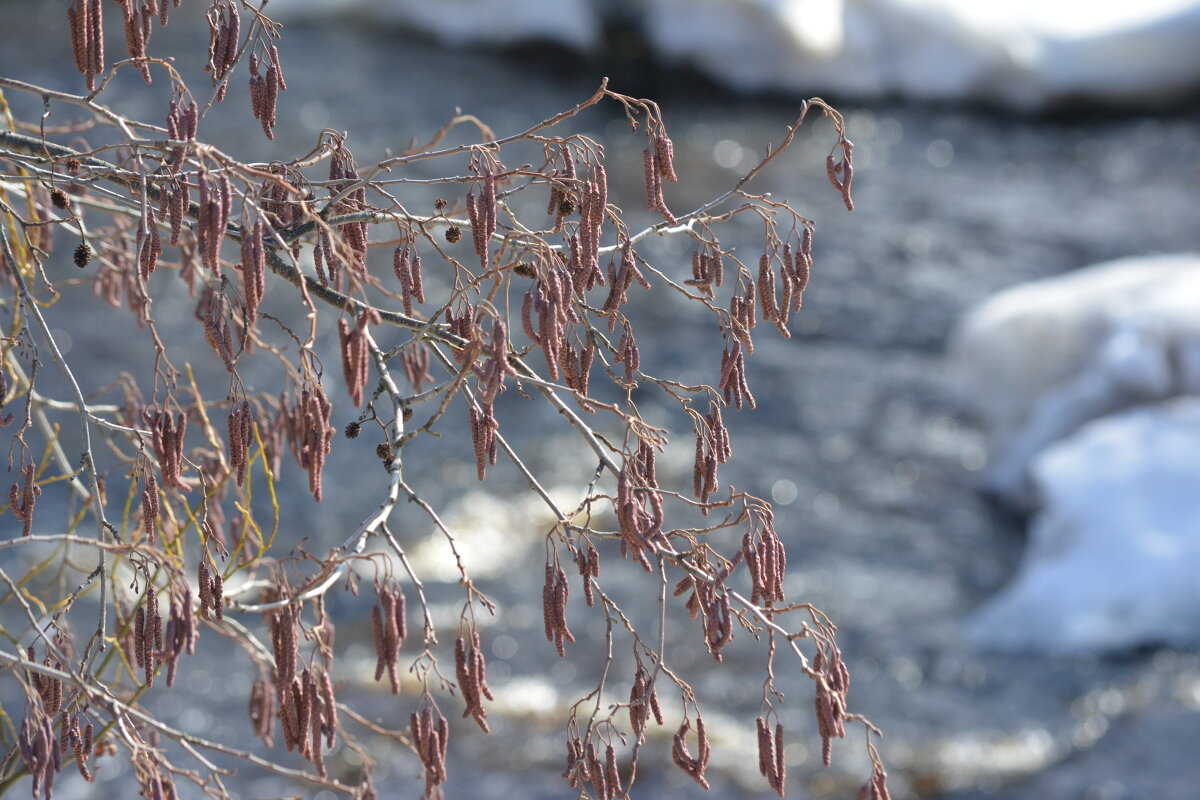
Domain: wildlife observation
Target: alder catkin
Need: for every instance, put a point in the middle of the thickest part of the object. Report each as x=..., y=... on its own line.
x=150, y=507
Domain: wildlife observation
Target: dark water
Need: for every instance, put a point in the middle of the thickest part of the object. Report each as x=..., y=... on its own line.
x=858, y=437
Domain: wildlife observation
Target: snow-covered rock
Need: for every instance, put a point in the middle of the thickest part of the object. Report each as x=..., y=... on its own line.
x=1025, y=53
x=1113, y=554
x=1038, y=361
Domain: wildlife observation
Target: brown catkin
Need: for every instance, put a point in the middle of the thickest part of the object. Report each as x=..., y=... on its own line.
x=78, y=22
x=400, y=613
x=611, y=774
x=218, y=595
x=391, y=638
x=270, y=101
x=330, y=708
x=780, y=766
x=479, y=666
x=554, y=608
x=150, y=635
x=766, y=751
x=95, y=41
x=150, y=507
x=205, y=585
x=664, y=151
x=139, y=636
x=380, y=654
x=652, y=176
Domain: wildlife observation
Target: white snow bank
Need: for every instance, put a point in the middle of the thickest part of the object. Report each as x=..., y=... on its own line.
x=1113, y=555
x=1039, y=360
x=1026, y=53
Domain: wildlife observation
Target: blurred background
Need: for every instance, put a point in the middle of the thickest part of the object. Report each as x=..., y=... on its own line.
x=984, y=454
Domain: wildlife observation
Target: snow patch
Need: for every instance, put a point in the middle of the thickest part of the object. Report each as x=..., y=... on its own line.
x=1112, y=556
x=1038, y=361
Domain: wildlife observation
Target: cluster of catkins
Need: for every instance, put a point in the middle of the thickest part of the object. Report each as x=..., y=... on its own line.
x=328, y=252
x=552, y=299
x=561, y=204
x=482, y=214
x=876, y=788
x=224, y=29
x=138, y=26
x=491, y=373
x=554, y=607
x=708, y=270
x=643, y=701
x=303, y=701
x=22, y=500
x=240, y=433
x=211, y=309
x=79, y=742
x=149, y=644
x=406, y=262
x=253, y=266
x=766, y=558
x=216, y=204
x=148, y=635
x=713, y=448
x=692, y=765
x=588, y=560
x=86, y=19
x=311, y=435
x=116, y=281
x=833, y=683
x=794, y=273
x=212, y=590
x=39, y=747
x=167, y=435
x=709, y=600
x=659, y=162
x=389, y=624
x=173, y=204
x=264, y=91
x=182, y=122
x=732, y=382
x=415, y=361
x=841, y=170
x=620, y=279
x=283, y=624
x=48, y=688
x=471, y=671
x=770, y=755
x=149, y=245
x=308, y=715
x=584, y=765
x=181, y=632
x=356, y=354
x=430, y=739
x=153, y=776
x=639, y=506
